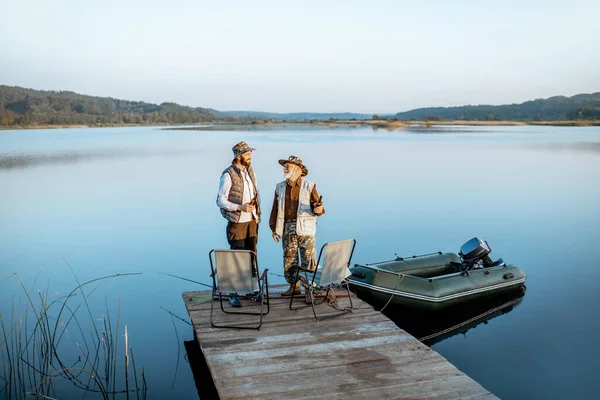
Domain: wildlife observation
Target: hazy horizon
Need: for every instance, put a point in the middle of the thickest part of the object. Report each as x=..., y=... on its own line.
x=382, y=57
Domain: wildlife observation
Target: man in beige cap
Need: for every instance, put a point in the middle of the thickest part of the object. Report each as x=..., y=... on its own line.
x=239, y=203
x=294, y=219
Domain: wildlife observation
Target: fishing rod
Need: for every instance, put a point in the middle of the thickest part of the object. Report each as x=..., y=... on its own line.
x=175, y=315
x=186, y=279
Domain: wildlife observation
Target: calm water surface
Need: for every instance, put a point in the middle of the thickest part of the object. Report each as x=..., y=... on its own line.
x=143, y=200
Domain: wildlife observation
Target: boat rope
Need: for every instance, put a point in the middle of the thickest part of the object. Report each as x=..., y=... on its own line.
x=400, y=278
x=488, y=312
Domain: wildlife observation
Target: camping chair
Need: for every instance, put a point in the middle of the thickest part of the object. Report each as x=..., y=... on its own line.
x=336, y=260
x=232, y=273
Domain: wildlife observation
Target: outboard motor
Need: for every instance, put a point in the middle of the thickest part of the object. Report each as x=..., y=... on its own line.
x=476, y=253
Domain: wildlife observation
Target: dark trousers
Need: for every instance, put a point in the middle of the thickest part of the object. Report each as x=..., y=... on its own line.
x=242, y=235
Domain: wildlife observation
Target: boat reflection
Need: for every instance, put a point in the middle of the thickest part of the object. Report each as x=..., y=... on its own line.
x=434, y=327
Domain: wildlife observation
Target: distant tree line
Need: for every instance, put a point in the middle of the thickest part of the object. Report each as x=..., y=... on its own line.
x=589, y=112
x=581, y=106
x=298, y=116
x=20, y=106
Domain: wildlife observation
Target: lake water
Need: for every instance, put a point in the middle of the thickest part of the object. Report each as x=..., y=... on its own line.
x=121, y=200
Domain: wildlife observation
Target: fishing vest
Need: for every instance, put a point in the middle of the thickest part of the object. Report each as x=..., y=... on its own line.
x=236, y=193
x=306, y=221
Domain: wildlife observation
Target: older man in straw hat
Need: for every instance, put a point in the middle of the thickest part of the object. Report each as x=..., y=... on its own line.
x=239, y=203
x=294, y=219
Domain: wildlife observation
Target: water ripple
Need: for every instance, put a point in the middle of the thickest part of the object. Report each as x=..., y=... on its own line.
x=20, y=160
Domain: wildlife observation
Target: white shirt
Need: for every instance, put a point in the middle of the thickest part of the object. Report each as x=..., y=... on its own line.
x=223, y=196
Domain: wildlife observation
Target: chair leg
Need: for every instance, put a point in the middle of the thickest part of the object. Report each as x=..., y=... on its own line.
x=312, y=302
x=349, y=295
x=212, y=304
x=294, y=291
x=264, y=287
x=292, y=299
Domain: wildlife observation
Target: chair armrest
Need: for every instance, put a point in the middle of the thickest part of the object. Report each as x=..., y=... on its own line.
x=264, y=275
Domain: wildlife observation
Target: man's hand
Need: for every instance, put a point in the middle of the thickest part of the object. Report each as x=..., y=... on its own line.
x=247, y=207
x=318, y=209
x=276, y=237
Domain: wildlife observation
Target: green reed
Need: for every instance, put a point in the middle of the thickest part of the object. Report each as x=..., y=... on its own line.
x=50, y=344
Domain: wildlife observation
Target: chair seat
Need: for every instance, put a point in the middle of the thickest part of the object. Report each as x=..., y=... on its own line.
x=327, y=281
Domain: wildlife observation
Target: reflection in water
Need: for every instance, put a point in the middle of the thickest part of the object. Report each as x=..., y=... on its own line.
x=591, y=147
x=204, y=383
x=264, y=128
x=10, y=161
x=448, y=129
x=434, y=327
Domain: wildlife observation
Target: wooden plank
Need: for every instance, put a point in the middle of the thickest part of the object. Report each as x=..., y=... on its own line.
x=278, y=317
x=277, y=303
x=284, y=365
x=300, y=385
x=303, y=325
x=360, y=355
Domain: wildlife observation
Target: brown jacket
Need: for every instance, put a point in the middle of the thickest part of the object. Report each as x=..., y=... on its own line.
x=291, y=203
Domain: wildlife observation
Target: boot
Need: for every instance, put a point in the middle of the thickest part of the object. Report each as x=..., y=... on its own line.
x=294, y=288
x=234, y=301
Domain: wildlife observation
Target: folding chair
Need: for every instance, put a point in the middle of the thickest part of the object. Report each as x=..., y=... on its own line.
x=232, y=273
x=336, y=260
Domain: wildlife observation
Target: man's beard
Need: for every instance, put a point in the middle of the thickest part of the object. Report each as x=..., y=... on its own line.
x=244, y=163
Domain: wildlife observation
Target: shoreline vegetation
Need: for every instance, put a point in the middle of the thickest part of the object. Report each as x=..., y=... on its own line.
x=380, y=123
x=56, y=344
x=22, y=108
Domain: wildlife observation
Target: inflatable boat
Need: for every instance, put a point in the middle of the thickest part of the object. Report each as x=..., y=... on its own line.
x=435, y=281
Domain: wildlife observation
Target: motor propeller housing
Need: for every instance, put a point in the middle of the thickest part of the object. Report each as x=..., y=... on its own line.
x=476, y=252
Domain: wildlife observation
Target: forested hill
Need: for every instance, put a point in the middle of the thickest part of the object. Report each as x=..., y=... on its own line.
x=27, y=107
x=581, y=106
x=20, y=106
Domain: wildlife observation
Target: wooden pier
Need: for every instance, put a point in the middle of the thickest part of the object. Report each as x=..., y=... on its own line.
x=360, y=355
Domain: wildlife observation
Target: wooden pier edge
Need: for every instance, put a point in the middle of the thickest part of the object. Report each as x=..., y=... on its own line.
x=359, y=355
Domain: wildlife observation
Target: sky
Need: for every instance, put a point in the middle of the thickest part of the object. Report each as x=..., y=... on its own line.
x=298, y=56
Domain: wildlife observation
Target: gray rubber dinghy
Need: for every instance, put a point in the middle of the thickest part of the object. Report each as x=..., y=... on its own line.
x=436, y=281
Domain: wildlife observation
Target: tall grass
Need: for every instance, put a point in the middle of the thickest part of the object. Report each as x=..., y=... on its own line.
x=54, y=346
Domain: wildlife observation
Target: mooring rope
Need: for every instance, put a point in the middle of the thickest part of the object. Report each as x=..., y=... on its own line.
x=401, y=276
